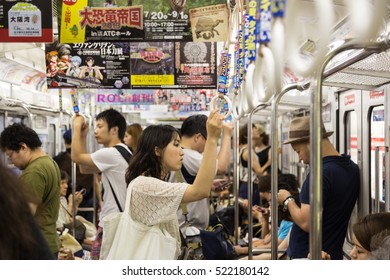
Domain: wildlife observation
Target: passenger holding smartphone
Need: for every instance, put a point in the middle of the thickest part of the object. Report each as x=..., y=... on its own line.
x=262, y=213
x=66, y=205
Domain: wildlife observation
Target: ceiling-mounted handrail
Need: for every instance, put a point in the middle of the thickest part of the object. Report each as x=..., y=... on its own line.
x=43, y=108
x=274, y=163
x=9, y=102
x=250, y=183
x=380, y=45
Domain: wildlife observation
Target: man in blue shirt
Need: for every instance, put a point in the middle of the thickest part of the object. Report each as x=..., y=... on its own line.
x=340, y=189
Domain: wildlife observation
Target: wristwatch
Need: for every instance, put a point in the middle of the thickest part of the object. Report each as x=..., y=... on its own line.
x=287, y=201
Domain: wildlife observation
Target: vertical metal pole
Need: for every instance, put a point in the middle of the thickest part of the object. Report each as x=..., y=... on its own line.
x=275, y=164
x=236, y=181
x=250, y=188
x=377, y=181
x=274, y=176
x=316, y=172
x=250, y=181
x=74, y=197
x=387, y=178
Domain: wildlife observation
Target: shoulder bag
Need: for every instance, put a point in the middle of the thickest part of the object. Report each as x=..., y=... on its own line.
x=126, y=239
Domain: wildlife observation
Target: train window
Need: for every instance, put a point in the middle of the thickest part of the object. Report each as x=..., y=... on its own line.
x=51, y=144
x=351, y=135
x=377, y=156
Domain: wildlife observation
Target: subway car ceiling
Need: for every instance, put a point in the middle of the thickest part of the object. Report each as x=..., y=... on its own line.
x=360, y=68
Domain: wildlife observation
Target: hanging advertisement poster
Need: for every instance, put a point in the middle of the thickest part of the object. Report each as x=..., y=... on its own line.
x=124, y=97
x=184, y=100
x=169, y=19
x=152, y=64
x=86, y=21
x=209, y=24
x=195, y=64
x=88, y=65
x=16, y=73
x=26, y=21
x=129, y=20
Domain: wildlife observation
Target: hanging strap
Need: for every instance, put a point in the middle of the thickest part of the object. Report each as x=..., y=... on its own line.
x=66, y=210
x=187, y=176
x=127, y=156
x=124, y=152
x=183, y=205
x=116, y=199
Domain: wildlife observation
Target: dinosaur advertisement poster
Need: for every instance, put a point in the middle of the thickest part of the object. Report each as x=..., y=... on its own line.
x=209, y=24
x=88, y=21
x=135, y=20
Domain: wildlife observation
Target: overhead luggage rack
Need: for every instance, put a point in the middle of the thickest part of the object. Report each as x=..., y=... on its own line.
x=367, y=74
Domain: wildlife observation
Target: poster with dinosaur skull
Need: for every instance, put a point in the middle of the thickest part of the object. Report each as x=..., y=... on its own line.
x=209, y=24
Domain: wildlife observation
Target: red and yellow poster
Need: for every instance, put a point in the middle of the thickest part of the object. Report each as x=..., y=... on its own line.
x=71, y=31
x=82, y=23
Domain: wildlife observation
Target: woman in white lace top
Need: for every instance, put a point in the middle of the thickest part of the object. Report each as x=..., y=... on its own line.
x=155, y=201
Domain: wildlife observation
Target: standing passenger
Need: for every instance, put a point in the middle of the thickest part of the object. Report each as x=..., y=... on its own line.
x=41, y=178
x=257, y=169
x=194, y=136
x=20, y=236
x=110, y=130
x=155, y=201
x=340, y=189
x=133, y=133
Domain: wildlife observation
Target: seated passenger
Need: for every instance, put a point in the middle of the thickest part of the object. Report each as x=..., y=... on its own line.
x=257, y=169
x=370, y=238
x=287, y=182
x=364, y=232
x=66, y=205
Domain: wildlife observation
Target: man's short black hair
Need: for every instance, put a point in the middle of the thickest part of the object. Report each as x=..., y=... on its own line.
x=193, y=125
x=114, y=118
x=15, y=135
x=68, y=136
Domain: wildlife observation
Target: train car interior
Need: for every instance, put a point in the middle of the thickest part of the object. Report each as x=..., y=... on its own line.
x=324, y=59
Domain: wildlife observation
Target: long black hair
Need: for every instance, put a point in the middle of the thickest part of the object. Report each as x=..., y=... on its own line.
x=145, y=161
x=17, y=239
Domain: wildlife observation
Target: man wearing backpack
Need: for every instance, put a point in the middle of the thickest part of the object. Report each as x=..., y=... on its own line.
x=194, y=137
x=112, y=161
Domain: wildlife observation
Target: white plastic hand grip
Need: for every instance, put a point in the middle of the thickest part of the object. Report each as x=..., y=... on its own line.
x=229, y=103
x=264, y=75
x=366, y=17
x=325, y=14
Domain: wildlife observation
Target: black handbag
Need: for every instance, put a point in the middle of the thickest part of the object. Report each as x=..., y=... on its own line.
x=80, y=230
x=216, y=244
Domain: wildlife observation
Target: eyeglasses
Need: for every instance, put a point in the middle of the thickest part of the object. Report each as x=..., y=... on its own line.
x=9, y=153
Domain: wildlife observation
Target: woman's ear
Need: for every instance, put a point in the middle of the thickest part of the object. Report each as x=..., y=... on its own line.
x=157, y=151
